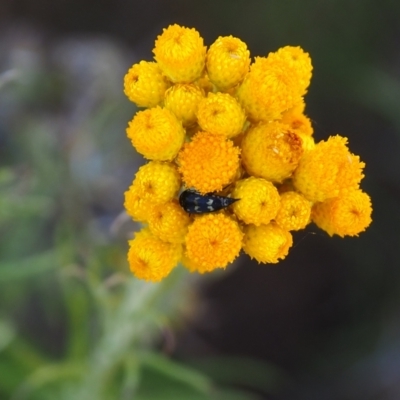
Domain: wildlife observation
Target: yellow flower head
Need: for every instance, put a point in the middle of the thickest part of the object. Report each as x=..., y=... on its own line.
x=208, y=163
x=259, y=201
x=156, y=134
x=228, y=62
x=267, y=243
x=183, y=100
x=150, y=258
x=346, y=215
x=213, y=241
x=267, y=90
x=297, y=62
x=136, y=204
x=157, y=182
x=294, y=212
x=144, y=84
x=271, y=151
x=220, y=113
x=180, y=53
x=328, y=170
x=169, y=222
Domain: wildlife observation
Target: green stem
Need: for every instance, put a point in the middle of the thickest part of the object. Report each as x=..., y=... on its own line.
x=127, y=325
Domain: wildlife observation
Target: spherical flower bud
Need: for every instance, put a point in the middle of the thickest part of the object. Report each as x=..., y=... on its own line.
x=297, y=62
x=150, y=258
x=213, y=241
x=228, y=61
x=294, y=212
x=328, y=170
x=183, y=100
x=271, y=151
x=346, y=215
x=220, y=113
x=169, y=222
x=144, y=84
x=259, y=201
x=156, y=133
x=267, y=90
x=208, y=163
x=157, y=182
x=180, y=53
x=267, y=243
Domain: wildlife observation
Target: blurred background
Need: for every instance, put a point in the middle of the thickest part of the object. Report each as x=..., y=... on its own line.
x=322, y=324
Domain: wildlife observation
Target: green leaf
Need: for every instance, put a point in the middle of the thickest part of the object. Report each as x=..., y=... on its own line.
x=242, y=371
x=175, y=371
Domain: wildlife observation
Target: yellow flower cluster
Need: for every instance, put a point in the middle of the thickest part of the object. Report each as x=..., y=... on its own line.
x=235, y=133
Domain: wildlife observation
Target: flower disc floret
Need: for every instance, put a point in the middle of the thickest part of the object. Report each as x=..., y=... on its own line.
x=267, y=243
x=228, y=61
x=213, y=241
x=156, y=133
x=294, y=212
x=180, y=53
x=169, y=222
x=346, y=215
x=208, y=163
x=259, y=201
x=150, y=258
x=157, y=182
x=144, y=84
x=271, y=151
x=183, y=100
x=328, y=170
x=220, y=113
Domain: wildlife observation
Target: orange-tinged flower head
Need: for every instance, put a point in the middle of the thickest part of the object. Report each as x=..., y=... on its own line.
x=267, y=90
x=267, y=243
x=209, y=162
x=144, y=84
x=157, y=182
x=228, y=61
x=156, y=133
x=180, y=53
x=346, y=215
x=190, y=264
x=297, y=62
x=150, y=258
x=259, y=201
x=169, y=222
x=271, y=151
x=213, y=241
x=220, y=113
x=328, y=170
x=183, y=100
x=294, y=212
